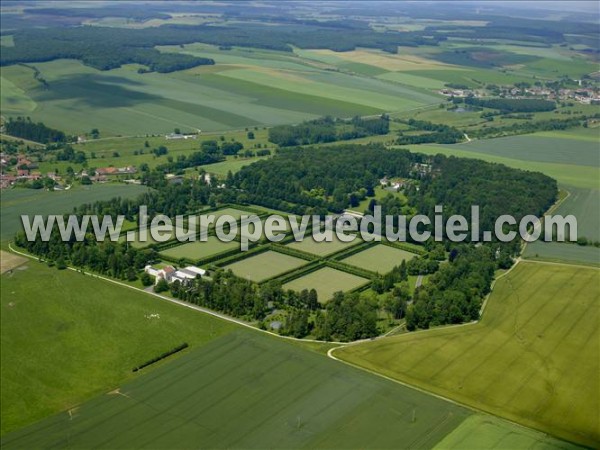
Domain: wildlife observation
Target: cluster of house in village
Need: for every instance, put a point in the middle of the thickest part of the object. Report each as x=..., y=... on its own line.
x=23, y=170
x=26, y=170
x=170, y=274
x=583, y=94
x=102, y=174
x=177, y=136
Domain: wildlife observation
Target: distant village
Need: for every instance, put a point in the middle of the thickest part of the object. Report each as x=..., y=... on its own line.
x=21, y=169
x=586, y=93
x=25, y=170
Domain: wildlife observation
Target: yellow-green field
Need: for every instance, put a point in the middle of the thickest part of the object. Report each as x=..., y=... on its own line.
x=534, y=358
x=326, y=282
x=379, y=258
x=482, y=431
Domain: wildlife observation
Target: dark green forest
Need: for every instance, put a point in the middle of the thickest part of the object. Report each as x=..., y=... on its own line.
x=109, y=48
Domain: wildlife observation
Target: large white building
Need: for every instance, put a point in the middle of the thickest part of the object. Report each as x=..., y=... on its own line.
x=170, y=274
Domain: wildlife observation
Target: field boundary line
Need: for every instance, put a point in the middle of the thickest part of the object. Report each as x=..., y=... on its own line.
x=566, y=264
x=186, y=304
x=431, y=393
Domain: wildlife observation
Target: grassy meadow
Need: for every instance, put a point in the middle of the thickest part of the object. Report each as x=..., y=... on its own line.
x=30, y=201
x=246, y=91
x=67, y=337
x=533, y=358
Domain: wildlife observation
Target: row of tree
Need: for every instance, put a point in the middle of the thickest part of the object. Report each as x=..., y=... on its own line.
x=328, y=129
x=25, y=128
x=510, y=105
x=435, y=133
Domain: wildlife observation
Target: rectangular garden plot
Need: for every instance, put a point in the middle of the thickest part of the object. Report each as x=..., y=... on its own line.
x=379, y=258
x=265, y=265
x=326, y=282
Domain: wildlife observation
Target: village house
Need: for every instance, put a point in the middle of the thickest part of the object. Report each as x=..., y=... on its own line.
x=173, y=136
x=7, y=181
x=53, y=176
x=116, y=170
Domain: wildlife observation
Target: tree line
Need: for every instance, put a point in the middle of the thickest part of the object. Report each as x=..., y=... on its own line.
x=512, y=105
x=328, y=129
x=25, y=128
x=108, y=48
x=436, y=133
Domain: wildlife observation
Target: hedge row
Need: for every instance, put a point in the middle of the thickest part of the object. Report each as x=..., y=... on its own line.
x=293, y=252
x=345, y=253
x=351, y=269
x=239, y=255
x=297, y=273
x=411, y=248
x=161, y=356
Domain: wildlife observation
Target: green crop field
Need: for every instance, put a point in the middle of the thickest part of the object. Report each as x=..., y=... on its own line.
x=88, y=334
x=479, y=431
x=197, y=250
x=563, y=252
x=540, y=148
x=221, y=97
x=326, y=282
x=379, y=258
x=272, y=393
x=30, y=201
x=533, y=358
x=582, y=176
x=67, y=337
x=324, y=248
x=264, y=265
x=585, y=205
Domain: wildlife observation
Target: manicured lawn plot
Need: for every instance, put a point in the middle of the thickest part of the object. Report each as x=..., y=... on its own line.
x=265, y=265
x=326, y=282
x=324, y=248
x=379, y=258
x=233, y=212
x=196, y=250
x=159, y=230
